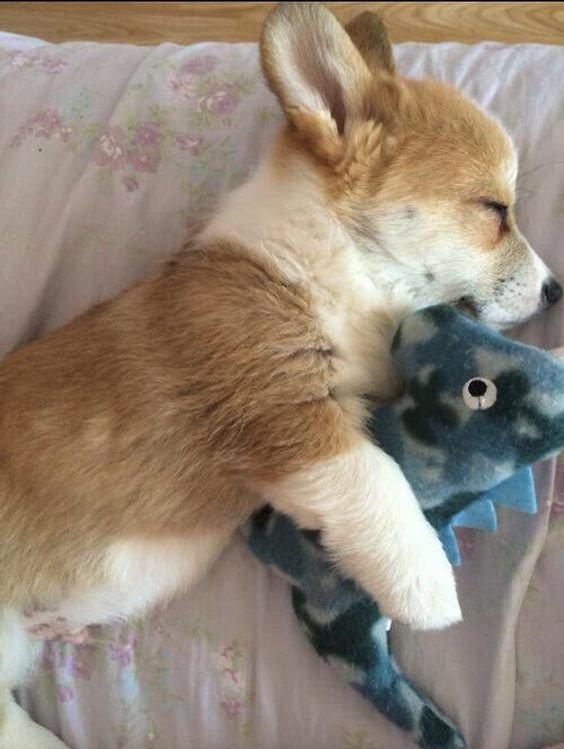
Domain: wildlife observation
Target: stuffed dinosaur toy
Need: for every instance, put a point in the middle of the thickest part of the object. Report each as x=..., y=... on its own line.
x=477, y=410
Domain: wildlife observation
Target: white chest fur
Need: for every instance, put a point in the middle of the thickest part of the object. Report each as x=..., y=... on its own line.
x=288, y=224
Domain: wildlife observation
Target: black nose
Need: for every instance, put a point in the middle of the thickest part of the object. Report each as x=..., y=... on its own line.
x=551, y=292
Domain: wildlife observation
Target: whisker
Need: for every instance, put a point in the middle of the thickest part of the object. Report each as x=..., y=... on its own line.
x=534, y=169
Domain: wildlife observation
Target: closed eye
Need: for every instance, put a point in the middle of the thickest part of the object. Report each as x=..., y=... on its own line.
x=500, y=208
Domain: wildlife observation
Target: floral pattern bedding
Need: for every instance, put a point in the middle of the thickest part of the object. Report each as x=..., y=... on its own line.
x=111, y=156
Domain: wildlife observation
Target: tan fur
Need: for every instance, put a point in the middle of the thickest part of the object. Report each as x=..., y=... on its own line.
x=146, y=416
x=422, y=142
x=453, y=160
x=371, y=39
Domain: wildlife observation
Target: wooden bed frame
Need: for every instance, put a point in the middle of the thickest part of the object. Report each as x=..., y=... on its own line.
x=188, y=22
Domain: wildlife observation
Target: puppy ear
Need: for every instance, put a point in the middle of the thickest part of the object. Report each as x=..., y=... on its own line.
x=371, y=38
x=315, y=70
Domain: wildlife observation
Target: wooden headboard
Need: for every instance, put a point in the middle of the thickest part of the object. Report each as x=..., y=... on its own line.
x=187, y=22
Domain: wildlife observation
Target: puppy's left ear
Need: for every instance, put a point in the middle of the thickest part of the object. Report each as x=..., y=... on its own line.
x=371, y=38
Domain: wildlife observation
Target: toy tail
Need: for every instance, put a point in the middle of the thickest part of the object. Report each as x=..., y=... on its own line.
x=355, y=643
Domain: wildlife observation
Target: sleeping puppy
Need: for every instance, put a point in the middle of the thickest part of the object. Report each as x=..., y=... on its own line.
x=135, y=440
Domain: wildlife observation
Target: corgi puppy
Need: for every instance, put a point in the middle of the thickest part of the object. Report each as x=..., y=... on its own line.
x=136, y=439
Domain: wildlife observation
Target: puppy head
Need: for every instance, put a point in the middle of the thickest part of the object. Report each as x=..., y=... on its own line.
x=421, y=179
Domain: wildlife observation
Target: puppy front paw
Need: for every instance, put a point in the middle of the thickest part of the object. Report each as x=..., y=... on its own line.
x=423, y=595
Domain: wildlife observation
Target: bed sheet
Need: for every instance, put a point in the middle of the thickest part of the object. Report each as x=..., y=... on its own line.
x=111, y=156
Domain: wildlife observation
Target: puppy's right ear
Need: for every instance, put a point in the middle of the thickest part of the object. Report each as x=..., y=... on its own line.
x=317, y=73
x=371, y=38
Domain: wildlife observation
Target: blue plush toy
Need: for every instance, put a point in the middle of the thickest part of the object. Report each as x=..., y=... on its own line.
x=478, y=409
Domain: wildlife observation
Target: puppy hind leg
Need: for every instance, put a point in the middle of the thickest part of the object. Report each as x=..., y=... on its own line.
x=17, y=656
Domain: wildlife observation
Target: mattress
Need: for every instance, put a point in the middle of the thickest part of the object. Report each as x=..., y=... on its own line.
x=111, y=156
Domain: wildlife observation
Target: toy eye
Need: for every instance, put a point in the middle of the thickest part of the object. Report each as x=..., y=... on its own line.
x=479, y=394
